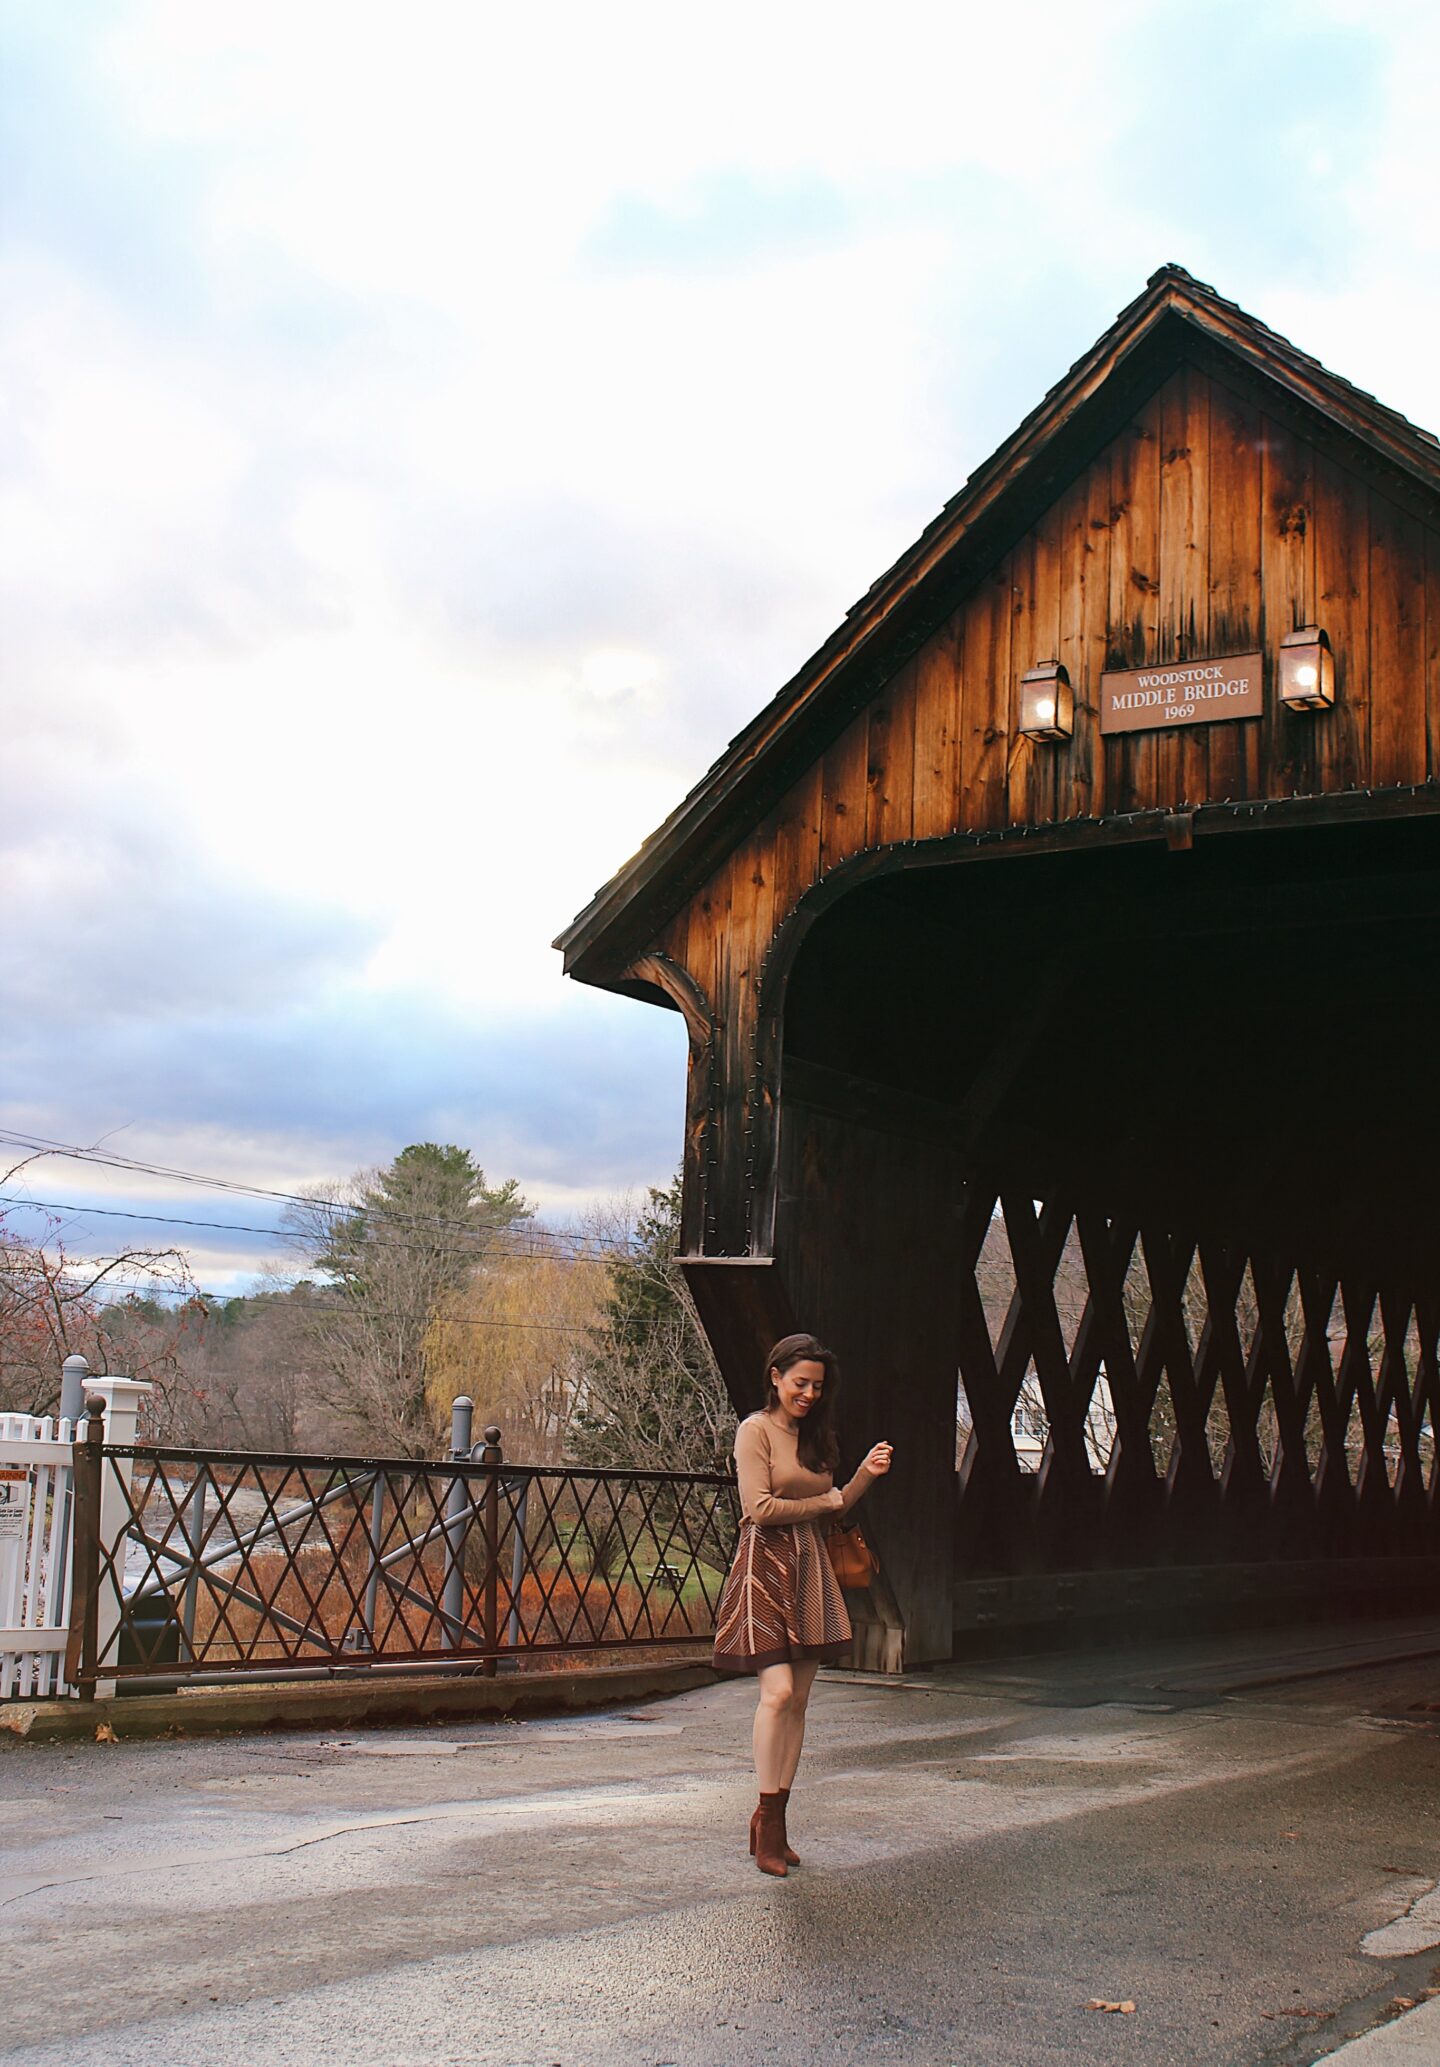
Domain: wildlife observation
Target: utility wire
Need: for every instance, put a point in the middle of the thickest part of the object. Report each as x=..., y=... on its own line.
x=493, y=1243
x=372, y=1313
x=41, y=1144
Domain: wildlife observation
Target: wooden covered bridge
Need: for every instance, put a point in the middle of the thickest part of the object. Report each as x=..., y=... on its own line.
x=1060, y=953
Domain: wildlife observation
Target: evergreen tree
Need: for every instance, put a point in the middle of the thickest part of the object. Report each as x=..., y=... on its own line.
x=405, y=1241
x=432, y=1199
x=652, y=1395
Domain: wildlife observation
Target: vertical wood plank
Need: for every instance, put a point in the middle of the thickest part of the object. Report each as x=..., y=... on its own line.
x=1073, y=757
x=752, y=909
x=851, y=1191
x=842, y=806
x=938, y=667
x=675, y=940
x=890, y=766
x=1234, y=577
x=795, y=861
x=1184, y=758
x=748, y=1100
x=706, y=958
x=1086, y=603
x=984, y=702
x=1033, y=765
x=1342, y=592
x=1020, y=569
x=1432, y=656
x=793, y=832
x=1287, y=595
x=1134, y=613
x=1397, y=645
x=709, y=918
x=729, y=1201
x=679, y=946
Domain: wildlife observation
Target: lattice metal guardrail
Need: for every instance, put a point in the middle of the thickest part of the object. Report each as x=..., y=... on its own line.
x=209, y=1563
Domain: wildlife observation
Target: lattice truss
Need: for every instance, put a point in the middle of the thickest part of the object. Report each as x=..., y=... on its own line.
x=1129, y=1394
x=227, y=1562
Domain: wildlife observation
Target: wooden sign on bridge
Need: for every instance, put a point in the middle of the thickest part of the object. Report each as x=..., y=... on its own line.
x=1198, y=692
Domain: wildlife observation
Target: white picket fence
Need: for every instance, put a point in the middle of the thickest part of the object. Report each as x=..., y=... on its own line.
x=35, y=1564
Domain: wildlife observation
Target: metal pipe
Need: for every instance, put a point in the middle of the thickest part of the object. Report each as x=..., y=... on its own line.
x=73, y=1373
x=193, y=1523
x=493, y=1456
x=238, y=1546
x=377, y=1538
x=458, y=1509
x=517, y=1565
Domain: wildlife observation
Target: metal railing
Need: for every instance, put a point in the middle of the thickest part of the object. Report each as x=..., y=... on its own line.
x=217, y=1564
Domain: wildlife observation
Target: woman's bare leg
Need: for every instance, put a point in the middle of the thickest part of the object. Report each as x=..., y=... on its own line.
x=771, y=1736
x=803, y=1679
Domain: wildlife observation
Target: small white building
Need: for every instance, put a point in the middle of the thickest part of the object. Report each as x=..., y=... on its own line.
x=1030, y=1424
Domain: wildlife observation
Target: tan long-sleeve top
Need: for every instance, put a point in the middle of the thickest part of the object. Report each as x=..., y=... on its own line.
x=775, y=1487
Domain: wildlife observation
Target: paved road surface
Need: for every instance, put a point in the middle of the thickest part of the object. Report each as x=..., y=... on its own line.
x=985, y=1853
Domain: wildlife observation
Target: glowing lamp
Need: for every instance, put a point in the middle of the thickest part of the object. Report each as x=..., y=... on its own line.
x=1307, y=670
x=1047, y=702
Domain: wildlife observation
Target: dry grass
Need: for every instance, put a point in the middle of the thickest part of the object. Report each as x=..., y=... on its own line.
x=326, y=1597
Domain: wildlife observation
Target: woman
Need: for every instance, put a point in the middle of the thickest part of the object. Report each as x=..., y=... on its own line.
x=781, y=1613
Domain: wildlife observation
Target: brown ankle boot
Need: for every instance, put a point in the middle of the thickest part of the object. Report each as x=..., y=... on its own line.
x=792, y=1857
x=767, y=1835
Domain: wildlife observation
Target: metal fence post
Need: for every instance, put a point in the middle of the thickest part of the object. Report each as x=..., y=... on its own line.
x=492, y=1456
x=457, y=1509
x=83, y=1643
x=73, y=1373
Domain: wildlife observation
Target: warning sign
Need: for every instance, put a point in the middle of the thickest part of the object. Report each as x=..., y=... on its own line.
x=14, y=1519
x=14, y=1505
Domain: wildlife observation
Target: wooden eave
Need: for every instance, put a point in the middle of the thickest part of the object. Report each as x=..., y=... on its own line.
x=1176, y=320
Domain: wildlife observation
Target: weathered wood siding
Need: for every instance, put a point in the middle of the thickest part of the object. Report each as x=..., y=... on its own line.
x=1205, y=528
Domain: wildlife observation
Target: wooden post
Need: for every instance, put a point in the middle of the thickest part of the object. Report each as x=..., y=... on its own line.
x=82, y=1646
x=866, y=1235
x=492, y=1456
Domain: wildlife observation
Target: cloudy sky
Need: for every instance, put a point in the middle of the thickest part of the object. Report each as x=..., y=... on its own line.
x=430, y=432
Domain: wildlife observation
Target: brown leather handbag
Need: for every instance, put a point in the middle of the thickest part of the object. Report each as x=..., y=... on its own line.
x=855, y=1563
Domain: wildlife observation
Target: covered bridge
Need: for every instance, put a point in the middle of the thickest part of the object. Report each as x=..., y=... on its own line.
x=1059, y=957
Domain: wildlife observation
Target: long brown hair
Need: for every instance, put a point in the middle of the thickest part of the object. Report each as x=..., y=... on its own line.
x=816, y=1442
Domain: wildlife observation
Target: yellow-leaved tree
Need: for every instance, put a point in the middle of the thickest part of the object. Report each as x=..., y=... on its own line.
x=514, y=1339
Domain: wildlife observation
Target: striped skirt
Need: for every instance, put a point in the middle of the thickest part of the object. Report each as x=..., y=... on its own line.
x=781, y=1601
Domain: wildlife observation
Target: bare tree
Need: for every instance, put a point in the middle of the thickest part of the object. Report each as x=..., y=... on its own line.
x=54, y=1304
x=251, y=1367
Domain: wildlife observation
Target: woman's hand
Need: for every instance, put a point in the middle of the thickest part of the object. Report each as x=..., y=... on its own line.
x=878, y=1461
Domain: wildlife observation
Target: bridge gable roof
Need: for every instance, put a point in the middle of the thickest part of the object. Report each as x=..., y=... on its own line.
x=1175, y=321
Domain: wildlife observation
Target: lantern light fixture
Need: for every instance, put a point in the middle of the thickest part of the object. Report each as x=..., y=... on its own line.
x=1047, y=702
x=1307, y=670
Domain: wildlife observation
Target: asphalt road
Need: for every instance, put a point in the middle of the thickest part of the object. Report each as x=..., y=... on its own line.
x=985, y=1854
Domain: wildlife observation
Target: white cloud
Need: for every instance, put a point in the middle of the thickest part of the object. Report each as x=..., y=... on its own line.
x=431, y=436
